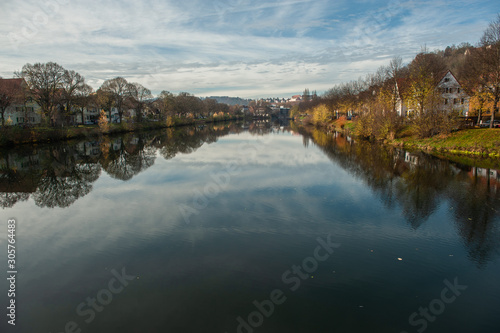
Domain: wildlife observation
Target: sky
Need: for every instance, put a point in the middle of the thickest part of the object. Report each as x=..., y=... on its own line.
x=243, y=48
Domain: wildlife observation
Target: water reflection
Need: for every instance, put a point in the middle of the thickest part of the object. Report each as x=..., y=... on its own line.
x=58, y=175
x=419, y=183
x=415, y=183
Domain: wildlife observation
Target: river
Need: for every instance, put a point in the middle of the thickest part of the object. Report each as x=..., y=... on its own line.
x=248, y=228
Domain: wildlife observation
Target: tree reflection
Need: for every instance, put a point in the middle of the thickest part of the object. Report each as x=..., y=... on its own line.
x=475, y=206
x=66, y=178
x=58, y=175
x=130, y=156
x=418, y=183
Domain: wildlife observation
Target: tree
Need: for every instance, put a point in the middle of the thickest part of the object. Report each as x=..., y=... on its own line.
x=306, y=95
x=72, y=83
x=321, y=115
x=165, y=104
x=105, y=101
x=45, y=82
x=103, y=122
x=425, y=72
x=210, y=106
x=83, y=99
x=119, y=90
x=393, y=73
x=187, y=103
x=11, y=91
x=140, y=95
x=489, y=54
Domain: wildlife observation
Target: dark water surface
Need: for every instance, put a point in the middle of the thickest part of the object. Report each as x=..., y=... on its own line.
x=248, y=229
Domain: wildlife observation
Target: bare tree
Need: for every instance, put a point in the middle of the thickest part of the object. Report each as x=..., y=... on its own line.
x=11, y=91
x=393, y=73
x=165, y=104
x=118, y=88
x=45, y=82
x=490, y=56
x=105, y=100
x=72, y=83
x=140, y=96
x=83, y=99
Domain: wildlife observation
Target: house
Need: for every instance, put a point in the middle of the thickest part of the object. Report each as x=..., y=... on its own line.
x=23, y=110
x=90, y=116
x=402, y=87
x=453, y=97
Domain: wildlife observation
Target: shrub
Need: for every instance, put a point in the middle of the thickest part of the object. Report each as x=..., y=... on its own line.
x=103, y=122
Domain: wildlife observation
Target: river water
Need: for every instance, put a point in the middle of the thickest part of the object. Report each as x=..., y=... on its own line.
x=248, y=228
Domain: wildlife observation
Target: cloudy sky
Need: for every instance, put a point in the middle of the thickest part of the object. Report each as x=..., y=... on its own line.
x=232, y=47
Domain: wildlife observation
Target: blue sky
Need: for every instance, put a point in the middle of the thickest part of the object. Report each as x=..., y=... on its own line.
x=232, y=47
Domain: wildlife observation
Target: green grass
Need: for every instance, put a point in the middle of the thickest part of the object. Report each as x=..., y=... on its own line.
x=482, y=141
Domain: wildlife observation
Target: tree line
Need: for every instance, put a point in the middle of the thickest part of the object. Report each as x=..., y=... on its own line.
x=62, y=94
x=374, y=99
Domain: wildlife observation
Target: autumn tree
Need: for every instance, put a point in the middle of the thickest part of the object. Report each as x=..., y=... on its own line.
x=485, y=60
x=103, y=122
x=321, y=115
x=426, y=71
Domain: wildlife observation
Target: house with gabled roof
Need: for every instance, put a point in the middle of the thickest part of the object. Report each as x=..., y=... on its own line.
x=453, y=97
x=23, y=109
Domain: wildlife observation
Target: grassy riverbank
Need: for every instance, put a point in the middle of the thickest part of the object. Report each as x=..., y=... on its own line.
x=13, y=135
x=475, y=142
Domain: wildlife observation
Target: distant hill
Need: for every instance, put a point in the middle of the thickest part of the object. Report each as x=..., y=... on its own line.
x=230, y=100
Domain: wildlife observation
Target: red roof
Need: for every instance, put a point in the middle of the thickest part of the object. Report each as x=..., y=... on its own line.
x=11, y=84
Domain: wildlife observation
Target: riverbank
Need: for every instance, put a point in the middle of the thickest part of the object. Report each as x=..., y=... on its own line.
x=13, y=135
x=472, y=142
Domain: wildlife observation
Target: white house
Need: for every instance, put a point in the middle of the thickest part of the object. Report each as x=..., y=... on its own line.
x=453, y=97
x=23, y=110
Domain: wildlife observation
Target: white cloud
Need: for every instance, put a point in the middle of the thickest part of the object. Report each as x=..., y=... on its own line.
x=230, y=47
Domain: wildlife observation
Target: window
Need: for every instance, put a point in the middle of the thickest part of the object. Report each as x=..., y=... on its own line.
x=446, y=80
x=462, y=101
x=455, y=101
x=445, y=101
x=458, y=90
